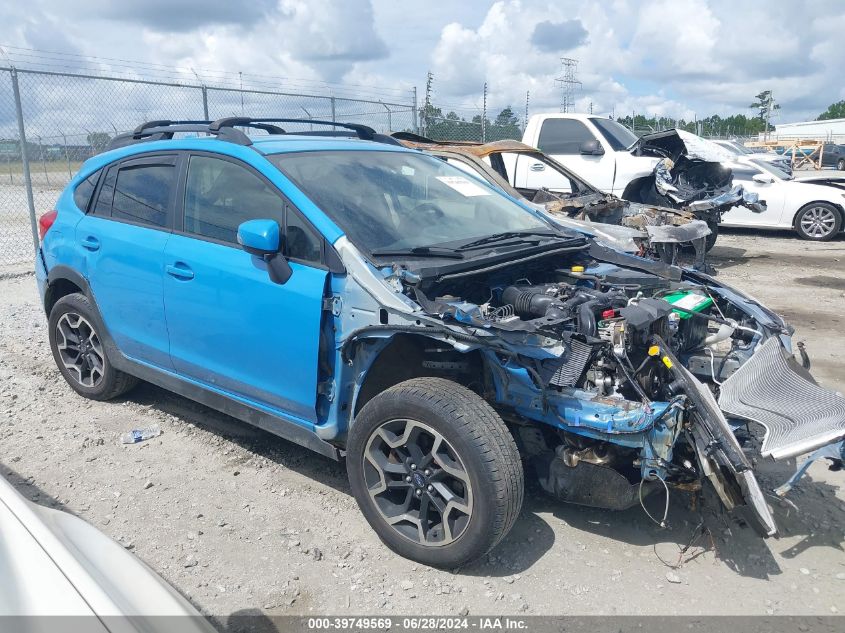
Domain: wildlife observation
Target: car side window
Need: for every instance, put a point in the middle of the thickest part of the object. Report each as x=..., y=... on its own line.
x=106, y=195
x=301, y=241
x=142, y=193
x=744, y=174
x=220, y=195
x=85, y=189
x=563, y=136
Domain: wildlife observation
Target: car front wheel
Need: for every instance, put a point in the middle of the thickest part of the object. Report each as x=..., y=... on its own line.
x=818, y=221
x=841, y=164
x=435, y=471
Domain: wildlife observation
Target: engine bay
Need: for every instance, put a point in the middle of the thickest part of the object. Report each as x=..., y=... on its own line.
x=622, y=365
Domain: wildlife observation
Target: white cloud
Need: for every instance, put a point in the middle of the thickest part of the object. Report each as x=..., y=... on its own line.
x=662, y=57
x=669, y=57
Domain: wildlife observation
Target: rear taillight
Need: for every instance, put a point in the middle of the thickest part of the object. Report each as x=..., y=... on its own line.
x=45, y=222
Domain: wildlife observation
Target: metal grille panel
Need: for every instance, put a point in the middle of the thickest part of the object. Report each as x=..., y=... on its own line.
x=774, y=391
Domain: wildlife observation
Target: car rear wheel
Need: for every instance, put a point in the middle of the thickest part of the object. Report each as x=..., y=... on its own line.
x=435, y=471
x=841, y=164
x=818, y=221
x=77, y=346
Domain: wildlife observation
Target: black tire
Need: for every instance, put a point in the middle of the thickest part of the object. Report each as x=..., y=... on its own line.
x=480, y=442
x=105, y=381
x=710, y=240
x=841, y=164
x=828, y=226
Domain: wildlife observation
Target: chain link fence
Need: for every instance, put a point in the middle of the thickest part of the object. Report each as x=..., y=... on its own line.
x=455, y=129
x=67, y=118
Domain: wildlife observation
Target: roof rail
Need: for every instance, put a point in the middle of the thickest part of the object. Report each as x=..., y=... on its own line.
x=364, y=132
x=225, y=130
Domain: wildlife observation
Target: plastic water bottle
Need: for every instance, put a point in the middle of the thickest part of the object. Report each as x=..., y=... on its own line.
x=139, y=435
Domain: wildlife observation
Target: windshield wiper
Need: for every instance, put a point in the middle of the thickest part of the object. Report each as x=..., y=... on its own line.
x=419, y=251
x=522, y=236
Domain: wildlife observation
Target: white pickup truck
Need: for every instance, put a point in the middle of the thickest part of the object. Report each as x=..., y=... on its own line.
x=596, y=148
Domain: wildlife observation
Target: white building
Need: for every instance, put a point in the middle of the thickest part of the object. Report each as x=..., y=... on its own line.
x=831, y=131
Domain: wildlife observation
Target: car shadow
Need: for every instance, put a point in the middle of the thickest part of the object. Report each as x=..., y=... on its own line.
x=696, y=525
x=257, y=441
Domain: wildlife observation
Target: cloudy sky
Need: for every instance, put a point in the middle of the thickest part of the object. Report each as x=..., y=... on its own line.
x=664, y=57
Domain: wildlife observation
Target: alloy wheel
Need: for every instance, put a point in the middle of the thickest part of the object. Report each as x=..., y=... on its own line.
x=418, y=482
x=818, y=222
x=80, y=349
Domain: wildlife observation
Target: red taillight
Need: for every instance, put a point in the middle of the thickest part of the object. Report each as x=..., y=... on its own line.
x=45, y=222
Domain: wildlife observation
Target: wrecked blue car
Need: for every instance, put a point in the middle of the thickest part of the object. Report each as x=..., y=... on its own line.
x=373, y=303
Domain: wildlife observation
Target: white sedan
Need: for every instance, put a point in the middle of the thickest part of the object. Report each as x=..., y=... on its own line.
x=813, y=207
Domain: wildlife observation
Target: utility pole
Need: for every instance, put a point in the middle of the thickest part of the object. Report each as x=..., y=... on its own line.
x=568, y=83
x=765, y=104
x=591, y=107
x=525, y=120
x=427, y=103
x=484, y=115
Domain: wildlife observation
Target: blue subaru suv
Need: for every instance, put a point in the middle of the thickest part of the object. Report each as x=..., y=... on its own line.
x=375, y=304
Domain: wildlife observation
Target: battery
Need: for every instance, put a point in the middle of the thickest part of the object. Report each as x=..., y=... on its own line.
x=689, y=301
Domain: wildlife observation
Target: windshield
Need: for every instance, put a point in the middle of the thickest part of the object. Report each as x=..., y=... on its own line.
x=401, y=200
x=616, y=134
x=734, y=147
x=772, y=169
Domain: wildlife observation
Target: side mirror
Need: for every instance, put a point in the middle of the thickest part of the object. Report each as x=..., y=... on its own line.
x=591, y=148
x=259, y=237
x=763, y=179
x=262, y=238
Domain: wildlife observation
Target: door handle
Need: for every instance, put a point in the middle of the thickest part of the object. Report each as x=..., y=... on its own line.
x=91, y=243
x=537, y=167
x=180, y=270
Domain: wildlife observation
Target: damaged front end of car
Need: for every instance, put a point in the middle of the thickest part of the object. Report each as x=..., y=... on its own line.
x=692, y=175
x=619, y=376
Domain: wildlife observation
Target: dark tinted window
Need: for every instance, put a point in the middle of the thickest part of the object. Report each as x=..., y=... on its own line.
x=744, y=174
x=220, y=195
x=563, y=136
x=301, y=241
x=106, y=195
x=84, y=190
x=142, y=193
x=615, y=133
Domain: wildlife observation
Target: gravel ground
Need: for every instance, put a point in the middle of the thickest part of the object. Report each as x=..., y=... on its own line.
x=243, y=522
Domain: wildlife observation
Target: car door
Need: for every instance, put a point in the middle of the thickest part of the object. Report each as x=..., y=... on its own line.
x=770, y=192
x=561, y=139
x=123, y=238
x=231, y=327
x=531, y=173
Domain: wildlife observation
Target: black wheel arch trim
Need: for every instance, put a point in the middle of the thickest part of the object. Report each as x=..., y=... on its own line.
x=61, y=272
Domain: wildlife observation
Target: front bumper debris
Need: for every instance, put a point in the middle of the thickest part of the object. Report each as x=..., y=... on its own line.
x=772, y=389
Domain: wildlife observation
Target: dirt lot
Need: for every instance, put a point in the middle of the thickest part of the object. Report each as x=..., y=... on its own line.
x=239, y=520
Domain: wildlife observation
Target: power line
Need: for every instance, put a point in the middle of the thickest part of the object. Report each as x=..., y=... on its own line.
x=568, y=83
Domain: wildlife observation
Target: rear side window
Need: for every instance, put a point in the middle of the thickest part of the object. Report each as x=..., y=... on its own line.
x=142, y=194
x=84, y=190
x=563, y=136
x=104, y=198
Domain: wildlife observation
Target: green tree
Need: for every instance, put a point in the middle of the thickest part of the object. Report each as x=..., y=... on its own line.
x=834, y=111
x=98, y=140
x=765, y=104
